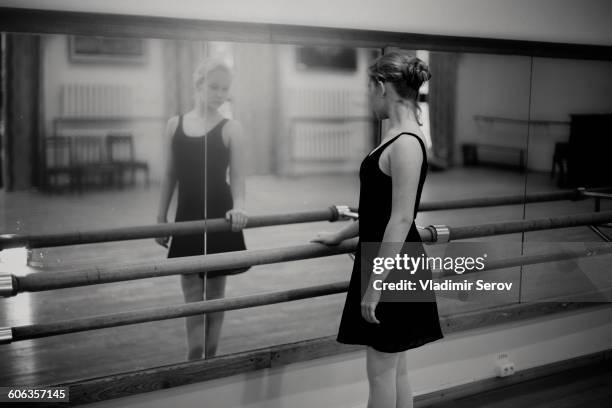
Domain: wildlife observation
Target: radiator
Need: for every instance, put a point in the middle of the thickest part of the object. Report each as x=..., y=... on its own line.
x=323, y=141
x=96, y=100
x=327, y=103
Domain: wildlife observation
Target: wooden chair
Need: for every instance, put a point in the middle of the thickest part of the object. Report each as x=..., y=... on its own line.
x=91, y=165
x=120, y=150
x=59, y=163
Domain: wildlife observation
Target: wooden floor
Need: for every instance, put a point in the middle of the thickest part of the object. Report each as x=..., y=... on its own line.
x=584, y=387
x=103, y=352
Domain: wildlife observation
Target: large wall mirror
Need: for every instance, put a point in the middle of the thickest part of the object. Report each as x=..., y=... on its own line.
x=499, y=123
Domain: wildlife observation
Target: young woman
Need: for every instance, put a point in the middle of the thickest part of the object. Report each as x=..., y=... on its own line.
x=392, y=178
x=201, y=145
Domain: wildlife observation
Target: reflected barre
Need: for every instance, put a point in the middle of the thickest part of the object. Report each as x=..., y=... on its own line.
x=539, y=122
x=334, y=213
x=159, y=230
x=579, y=193
x=228, y=260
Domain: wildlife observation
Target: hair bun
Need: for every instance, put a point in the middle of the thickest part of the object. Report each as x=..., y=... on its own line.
x=417, y=72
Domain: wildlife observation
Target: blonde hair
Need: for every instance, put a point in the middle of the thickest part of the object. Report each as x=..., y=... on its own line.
x=205, y=66
x=406, y=72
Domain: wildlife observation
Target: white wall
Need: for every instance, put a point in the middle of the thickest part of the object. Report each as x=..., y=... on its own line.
x=339, y=381
x=571, y=21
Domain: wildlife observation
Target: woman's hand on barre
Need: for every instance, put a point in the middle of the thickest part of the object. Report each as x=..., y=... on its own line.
x=237, y=217
x=334, y=238
x=327, y=238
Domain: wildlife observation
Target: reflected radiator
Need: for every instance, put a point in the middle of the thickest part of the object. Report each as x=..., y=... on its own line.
x=327, y=124
x=327, y=141
x=96, y=100
x=334, y=141
x=327, y=103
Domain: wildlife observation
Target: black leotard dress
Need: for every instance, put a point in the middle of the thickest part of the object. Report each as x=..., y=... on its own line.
x=201, y=164
x=403, y=324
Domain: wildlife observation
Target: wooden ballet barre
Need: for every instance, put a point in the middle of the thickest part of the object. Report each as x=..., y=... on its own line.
x=37, y=282
x=522, y=260
x=538, y=197
x=540, y=122
x=11, y=284
x=537, y=224
x=160, y=230
x=334, y=213
x=8, y=335
x=35, y=331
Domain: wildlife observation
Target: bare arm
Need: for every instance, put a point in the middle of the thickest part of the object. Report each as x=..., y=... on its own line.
x=237, y=162
x=169, y=175
x=237, y=172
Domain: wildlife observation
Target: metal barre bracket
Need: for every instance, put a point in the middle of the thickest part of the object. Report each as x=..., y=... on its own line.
x=343, y=212
x=6, y=286
x=440, y=233
x=6, y=335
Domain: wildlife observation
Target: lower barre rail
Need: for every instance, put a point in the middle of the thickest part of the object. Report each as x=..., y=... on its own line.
x=171, y=312
x=8, y=335
x=35, y=331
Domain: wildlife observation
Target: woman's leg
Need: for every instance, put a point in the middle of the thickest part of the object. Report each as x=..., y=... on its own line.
x=193, y=291
x=404, y=391
x=381, y=378
x=215, y=289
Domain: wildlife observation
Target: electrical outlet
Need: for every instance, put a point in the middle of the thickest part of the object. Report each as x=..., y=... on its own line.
x=504, y=369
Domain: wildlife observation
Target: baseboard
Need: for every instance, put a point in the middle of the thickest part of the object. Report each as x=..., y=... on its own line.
x=448, y=394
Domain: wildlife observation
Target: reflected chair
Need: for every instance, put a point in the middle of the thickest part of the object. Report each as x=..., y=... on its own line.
x=91, y=165
x=120, y=151
x=59, y=163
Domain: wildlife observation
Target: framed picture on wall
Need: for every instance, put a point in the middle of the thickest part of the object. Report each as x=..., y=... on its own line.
x=91, y=49
x=326, y=58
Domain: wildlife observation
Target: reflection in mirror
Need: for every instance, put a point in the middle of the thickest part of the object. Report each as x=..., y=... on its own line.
x=569, y=147
x=478, y=107
x=86, y=139
x=86, y=144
